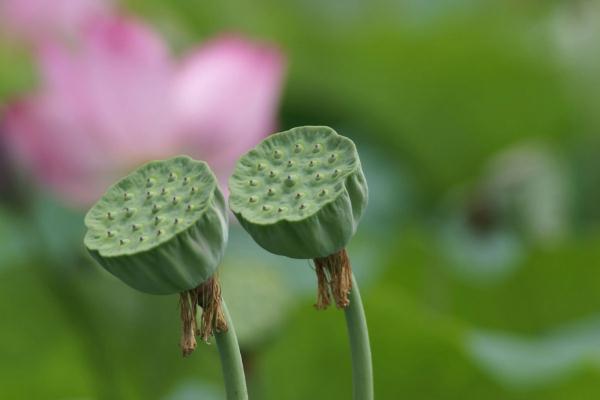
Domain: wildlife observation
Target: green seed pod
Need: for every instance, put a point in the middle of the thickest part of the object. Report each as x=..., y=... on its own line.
x=307, y=197
x=162, y=229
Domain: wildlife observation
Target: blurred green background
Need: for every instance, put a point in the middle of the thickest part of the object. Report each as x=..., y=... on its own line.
x=477, y=123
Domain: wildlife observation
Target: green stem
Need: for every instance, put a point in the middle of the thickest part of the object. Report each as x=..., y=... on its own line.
x=231, y=361
x=362, y=368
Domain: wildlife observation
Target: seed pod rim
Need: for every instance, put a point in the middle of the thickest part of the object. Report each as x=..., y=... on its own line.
x=340, y=178
x=207, y=195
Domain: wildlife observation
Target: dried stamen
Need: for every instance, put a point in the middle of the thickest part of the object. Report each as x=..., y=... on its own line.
x=334, y=276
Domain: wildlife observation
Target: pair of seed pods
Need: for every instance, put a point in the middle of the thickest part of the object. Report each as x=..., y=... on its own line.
x=163, y=229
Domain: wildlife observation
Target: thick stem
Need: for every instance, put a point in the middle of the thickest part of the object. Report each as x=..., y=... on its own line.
x=362, y=368
x=231, y=360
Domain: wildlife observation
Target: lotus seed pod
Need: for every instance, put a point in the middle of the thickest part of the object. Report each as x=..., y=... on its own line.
x=308, y=195
x=162, y=229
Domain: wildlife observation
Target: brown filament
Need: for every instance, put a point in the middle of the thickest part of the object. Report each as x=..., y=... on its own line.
x=334, y=277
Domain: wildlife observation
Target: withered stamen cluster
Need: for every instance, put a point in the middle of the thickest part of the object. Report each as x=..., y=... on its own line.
x=334, y=276
x=207, y=296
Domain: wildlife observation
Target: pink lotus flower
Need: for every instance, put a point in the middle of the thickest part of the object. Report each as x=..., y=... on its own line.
x=119, y=99
x=34, y=20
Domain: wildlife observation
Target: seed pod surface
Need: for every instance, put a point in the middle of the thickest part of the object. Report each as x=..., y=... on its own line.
x=308, y=192
x=162, y=229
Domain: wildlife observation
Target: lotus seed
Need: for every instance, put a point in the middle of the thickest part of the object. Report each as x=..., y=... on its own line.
x=316, y=148
x=186, y=180
x=189, y=207
x=318, y=177
x=172, y=176
x=332, y=158
x=159, y=232
x=271, y=192
x=279, y=209
x=194, y=189
x=148, y=194
x=109, y=215
x=311, y=163
x=302, y=206
x=277, y=154
x=110, y=233
x=297, y=148
x=163, y=191
x=129, y=211
x=336, y=172
x=149, y=182
x=252, y=182
x=290, y=163
x=141, y=238
x=121, y=242
x=175, y=199
x=265, y=208
x=252, y=199
x=157, y=220
x=272, y=174
x=260, y=167
x=298, y=195
x=290, y=180
x=323, y=192
x=155, y=208
x=176, y=221
x=126, y=196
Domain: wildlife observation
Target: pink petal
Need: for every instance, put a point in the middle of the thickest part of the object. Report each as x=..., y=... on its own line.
x=225, y=98
x=36, y=20
x=102, y=109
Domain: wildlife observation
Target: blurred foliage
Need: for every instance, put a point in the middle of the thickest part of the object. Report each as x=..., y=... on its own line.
x=465, y=299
